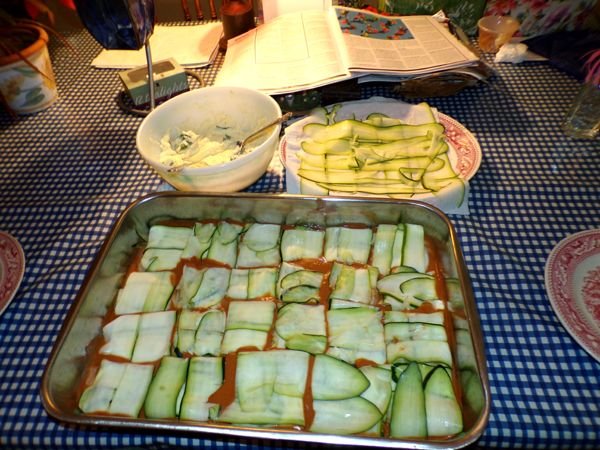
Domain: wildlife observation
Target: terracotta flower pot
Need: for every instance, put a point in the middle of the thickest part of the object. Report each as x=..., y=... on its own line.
x=26, y=90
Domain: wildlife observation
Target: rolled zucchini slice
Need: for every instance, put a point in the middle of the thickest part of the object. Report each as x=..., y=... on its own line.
x=204, y=377
x=212, y=288
x=209, y=334
x=383, y=246
x=301, y=294
x=348, y=416
x=302, y=327
x=132, y=389
x=336, y=303
x=259, y=246
x=465, y=353
x=162, y=401
x=120, y=336
x=252, y=283
x=301, y=277
x=356, y=333
x=165, y=236
x=301, y=243
x=248, y=323
x=379, y=391
x=408, y=289
x=422, y=288
x=444, y=416
x=234, y=340
x=414, y=331
x=292, y=372
x=200, y=333
x=333, y=379
x=261, y=374
x=348, y=245
x=187, y=324
x=421, y=351
x=419, y=337
x=436, y=318
x=414, y=253
x=238, y=284
x=256, y=373
x=252, y=315
x=282, y=410
x=165, y=247
x=97, y=397
x=199, y=242
x=398, y=246
x=298, y=285
x=159, y=259
x=473, y=396
x=269, y=388
x=262, y=281
x=455, y=295
x=154, y=336
x=392, y=284
x=202, y=288
x=119, y=388
x=224, y=244
x=353, y=284
x=144, y=292
x=408, y=418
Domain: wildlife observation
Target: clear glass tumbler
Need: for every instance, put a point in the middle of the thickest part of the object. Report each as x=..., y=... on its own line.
x=583, y=119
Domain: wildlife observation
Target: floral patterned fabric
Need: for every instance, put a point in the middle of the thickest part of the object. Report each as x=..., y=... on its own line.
x=465, y=13
x=543, y=16
x=536, y=16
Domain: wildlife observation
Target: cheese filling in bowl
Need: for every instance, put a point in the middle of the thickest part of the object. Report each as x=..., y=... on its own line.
x=215, y=143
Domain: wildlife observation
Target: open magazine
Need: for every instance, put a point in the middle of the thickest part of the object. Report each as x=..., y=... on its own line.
x=314, y=48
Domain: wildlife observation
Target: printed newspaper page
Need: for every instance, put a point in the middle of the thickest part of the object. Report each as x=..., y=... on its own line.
x=290, y=53
x=407, y=45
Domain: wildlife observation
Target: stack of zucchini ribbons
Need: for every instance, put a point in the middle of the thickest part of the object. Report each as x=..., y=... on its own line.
x=378, y=155
x=335, y=329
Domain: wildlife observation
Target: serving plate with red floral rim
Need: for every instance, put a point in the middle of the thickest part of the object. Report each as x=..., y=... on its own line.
x=572, y=277
x=12, y=268
x=465, y=153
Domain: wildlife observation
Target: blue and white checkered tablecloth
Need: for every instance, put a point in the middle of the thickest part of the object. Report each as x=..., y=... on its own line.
x=68, y=172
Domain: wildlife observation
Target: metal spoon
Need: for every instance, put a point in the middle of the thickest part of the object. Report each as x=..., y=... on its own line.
x=241, y=144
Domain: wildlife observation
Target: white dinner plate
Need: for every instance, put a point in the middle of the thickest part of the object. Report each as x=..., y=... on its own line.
x=464, y=150
x=573, y=283
x=12, y=268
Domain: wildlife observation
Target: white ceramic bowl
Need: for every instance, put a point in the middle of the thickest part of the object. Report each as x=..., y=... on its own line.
x=187, y=112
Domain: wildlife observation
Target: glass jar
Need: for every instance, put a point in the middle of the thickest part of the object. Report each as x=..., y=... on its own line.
x=583, y=119
x=237, y=17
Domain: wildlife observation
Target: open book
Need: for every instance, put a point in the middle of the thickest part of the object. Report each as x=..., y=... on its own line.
x=314, y=48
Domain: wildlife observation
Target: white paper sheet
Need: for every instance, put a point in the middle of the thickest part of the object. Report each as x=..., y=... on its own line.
x=276, y=8
x=189, y=45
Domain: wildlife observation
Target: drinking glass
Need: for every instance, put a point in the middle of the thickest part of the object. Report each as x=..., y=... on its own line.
x=583, y=119
x=495, y=31
x=122, y=25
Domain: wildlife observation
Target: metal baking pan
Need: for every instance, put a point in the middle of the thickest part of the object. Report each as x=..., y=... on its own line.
x=83, y=322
